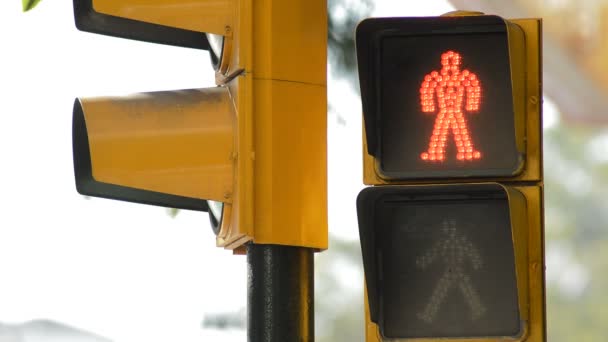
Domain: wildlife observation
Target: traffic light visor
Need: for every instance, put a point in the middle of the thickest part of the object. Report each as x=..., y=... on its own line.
x=439, y=261
x=170, y=148
x=141, y=20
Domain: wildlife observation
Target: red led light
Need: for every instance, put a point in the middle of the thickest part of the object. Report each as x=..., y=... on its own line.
x=450, y=86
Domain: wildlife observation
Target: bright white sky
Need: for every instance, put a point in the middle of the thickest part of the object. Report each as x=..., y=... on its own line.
x=124, y=271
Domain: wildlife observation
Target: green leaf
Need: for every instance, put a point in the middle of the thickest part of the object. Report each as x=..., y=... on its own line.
x=29, y=4
x=172, y=212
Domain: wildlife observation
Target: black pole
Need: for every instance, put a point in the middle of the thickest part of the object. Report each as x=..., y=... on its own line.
x=280, y=293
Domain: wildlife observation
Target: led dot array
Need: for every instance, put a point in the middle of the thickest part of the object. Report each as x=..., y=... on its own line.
x=454, y=251
x=450, y=87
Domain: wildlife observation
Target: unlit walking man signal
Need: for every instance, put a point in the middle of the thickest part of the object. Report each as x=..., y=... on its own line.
x=454, y=250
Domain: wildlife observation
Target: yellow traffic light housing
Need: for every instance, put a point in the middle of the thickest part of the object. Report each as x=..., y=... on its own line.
x=452, y=227
x=256, y=143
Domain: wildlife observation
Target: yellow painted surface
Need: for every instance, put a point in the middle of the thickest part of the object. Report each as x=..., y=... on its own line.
x=237, y=222
x=291, y=40
x=210, y=16
x=175, y=142
x=280, y=192
x=533, y=84
x=238, y=48
x=537, y=319
x=290, y=164
x=290, y=111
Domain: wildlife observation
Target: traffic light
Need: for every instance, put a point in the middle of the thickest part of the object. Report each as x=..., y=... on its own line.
x=451, y=227
x=251, y=151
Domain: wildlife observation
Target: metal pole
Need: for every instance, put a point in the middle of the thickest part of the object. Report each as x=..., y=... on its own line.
x=280, y=293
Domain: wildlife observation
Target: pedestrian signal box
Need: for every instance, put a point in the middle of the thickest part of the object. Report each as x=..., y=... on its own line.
x=451, y=229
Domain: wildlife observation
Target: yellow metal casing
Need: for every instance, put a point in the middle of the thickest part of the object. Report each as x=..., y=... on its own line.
x=290, y=79
x=236, y=226
x=209, y=16
x=173, y=142
x=525, y=189
x=286, y=156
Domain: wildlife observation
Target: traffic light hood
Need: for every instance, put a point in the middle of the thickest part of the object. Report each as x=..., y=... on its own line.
x=170, y=148
x=156, y=21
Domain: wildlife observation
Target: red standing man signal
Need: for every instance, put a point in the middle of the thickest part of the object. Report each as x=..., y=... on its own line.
x=450, y=86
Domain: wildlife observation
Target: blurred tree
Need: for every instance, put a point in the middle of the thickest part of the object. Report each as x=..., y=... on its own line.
x=339, y=314
x=576, y=181
x=339, y=293
x=579, y=27
x=29, y=4
x=343, y=17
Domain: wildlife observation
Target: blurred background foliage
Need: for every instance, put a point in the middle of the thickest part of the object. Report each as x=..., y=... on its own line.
x=579, y=27
x=29, y=4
